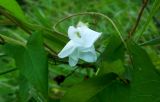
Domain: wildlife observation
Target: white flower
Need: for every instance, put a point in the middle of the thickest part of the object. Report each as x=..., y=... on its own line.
x=81, y=44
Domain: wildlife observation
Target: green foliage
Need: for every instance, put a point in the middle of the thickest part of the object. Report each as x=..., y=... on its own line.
x=142, y=87
x=127, y=69
x=32, y=63
x=90, y=88
x=111, y=60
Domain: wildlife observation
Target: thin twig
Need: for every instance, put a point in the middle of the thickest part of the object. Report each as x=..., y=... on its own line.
x=138, y=18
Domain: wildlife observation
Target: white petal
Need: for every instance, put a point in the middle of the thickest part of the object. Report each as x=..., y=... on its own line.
x=71, y=32
x=75, y=35
x=88, y=55
x=72, y=62
x=89, y=36
x=88, y=49
x=73, y=58
x=67, y=50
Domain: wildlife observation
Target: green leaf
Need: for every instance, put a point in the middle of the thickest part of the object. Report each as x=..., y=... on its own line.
x=144, y=86
x=111, y=60
x=115, y=67
x=114, y=50
x=38, y=62
x=87, y=89
x=13, y=7
x=32, y=62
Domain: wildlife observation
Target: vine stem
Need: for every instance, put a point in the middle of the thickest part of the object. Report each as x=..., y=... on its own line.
x=91, y=13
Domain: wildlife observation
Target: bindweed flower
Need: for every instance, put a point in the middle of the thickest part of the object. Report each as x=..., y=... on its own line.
x=81, y=44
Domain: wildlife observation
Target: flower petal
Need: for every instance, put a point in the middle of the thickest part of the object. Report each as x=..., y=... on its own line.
x=73, y=58
x=88, y=55
x=72, y=62
x=67, y=50
x=89, y=36
x=71, y=31
x=75, y=35
x=88, y=49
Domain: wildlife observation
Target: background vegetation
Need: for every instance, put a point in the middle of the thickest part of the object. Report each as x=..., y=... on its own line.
x=126, y=71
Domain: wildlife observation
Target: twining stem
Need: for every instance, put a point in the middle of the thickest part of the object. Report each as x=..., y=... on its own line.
x=93, y=14
x=138, y=18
